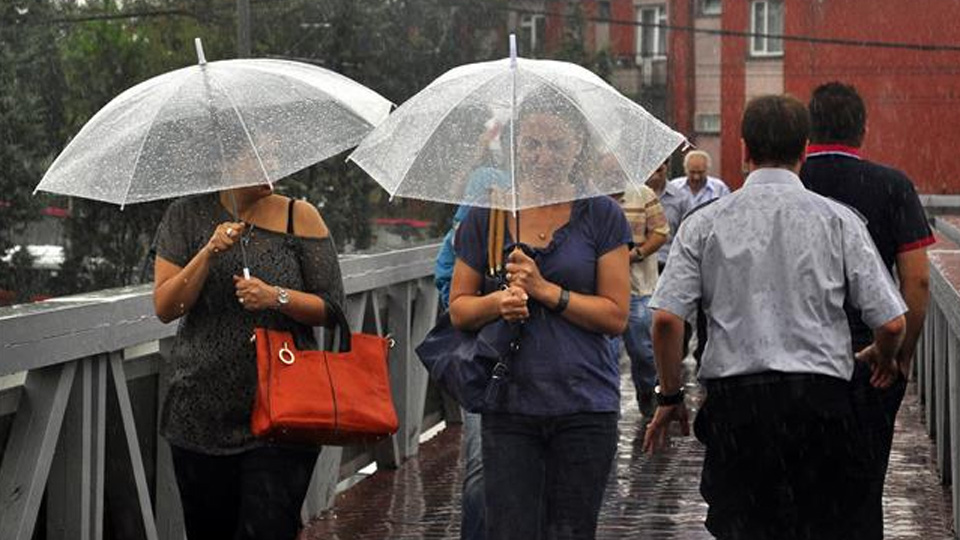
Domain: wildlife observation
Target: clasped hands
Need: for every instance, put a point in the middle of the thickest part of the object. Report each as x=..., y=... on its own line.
x=523, y=281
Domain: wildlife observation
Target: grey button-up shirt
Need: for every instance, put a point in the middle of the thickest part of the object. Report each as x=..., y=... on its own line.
x=676, y=203
x=772, y=264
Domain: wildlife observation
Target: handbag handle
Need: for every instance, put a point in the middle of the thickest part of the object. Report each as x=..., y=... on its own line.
x=335, y=314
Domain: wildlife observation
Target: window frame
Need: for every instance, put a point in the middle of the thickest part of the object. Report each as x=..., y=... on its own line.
x=659, y=34
x=764, y=50
x=531, y=22
x=711, y=11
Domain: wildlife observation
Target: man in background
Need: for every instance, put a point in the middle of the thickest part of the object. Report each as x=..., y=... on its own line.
x=675, y=203
x=698, y=184
x=650, y=230
x=885, y=197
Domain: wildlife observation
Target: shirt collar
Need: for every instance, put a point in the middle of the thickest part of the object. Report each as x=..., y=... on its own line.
x=773, y=176
x=814, y=150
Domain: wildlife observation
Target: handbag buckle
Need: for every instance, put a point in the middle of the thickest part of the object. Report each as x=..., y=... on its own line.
x=286, y=355
x=500, y=371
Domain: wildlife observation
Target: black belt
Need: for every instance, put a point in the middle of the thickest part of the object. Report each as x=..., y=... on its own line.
x=737, y=382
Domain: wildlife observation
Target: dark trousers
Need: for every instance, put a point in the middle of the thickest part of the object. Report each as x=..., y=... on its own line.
x=876, y=411
x=784, y=458
x=253, y=495
x=544, y=477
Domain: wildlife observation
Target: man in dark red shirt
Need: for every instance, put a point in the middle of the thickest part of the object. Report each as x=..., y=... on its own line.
x=886, y=198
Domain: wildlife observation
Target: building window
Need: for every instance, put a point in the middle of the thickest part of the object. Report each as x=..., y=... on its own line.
x=710, y=7
x=652, y=39
x=532, y=33
x=603, y=11
x=766, y=19
x=707, y=123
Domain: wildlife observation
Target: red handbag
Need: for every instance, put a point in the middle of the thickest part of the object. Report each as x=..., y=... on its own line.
x=323, y=397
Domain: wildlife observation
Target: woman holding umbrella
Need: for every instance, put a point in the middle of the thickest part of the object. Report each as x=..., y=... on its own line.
x=233, y=486
x=550, y=441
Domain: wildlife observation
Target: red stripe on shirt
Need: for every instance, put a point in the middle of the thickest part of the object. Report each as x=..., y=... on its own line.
x=842, y=148
x=916, y=245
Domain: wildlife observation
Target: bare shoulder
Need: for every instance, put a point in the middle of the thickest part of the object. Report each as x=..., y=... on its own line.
x=307, y=221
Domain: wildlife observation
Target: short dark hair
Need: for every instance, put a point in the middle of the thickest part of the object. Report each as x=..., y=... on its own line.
x=837, y=115
x=775, y=130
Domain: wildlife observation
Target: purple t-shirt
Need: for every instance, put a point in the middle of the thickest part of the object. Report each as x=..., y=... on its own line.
x=560, y=368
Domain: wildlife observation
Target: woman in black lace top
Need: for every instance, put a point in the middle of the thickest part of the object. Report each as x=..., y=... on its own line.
x=232, y=485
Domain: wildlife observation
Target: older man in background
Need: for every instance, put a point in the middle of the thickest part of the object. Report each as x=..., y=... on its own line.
x=698, y=184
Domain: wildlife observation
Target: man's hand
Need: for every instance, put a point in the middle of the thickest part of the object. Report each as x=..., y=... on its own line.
x=656, y=436
x=884, y=370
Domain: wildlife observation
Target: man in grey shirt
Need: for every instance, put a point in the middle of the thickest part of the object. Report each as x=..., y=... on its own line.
x=772, y=265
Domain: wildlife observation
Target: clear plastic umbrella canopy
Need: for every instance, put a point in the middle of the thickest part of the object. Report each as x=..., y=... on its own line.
x=514, y=134
x=214, y=126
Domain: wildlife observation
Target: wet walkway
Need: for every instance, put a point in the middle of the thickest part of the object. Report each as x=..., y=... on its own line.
x=647, y=498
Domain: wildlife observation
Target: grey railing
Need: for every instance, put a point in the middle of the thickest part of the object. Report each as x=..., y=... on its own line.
x=80, y=390
x=938, y=360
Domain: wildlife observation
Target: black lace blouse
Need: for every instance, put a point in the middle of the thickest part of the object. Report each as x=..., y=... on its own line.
x=213, y=372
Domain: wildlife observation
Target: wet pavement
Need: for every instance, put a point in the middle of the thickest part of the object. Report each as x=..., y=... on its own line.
x=647, y=498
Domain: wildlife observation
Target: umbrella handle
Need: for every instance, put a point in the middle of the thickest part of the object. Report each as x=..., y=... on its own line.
x=246, y=273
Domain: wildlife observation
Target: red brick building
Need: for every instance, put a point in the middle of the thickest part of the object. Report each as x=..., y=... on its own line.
x=699, y=80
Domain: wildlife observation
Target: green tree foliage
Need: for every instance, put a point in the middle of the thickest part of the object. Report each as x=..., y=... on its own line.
x=29, y=112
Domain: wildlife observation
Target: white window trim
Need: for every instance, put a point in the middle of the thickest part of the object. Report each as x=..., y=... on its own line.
x=764, y=52
x=698, y=123
x=661, y=18
x=529, y=21
x=710, y=13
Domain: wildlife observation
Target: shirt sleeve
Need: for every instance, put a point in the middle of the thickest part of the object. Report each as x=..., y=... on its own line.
x=470, y=244
x=656, y=218
x=443, y=269
x=911, y=228
x=610, y=227
x=869, y=285
x=678, y=289
x=172, y=241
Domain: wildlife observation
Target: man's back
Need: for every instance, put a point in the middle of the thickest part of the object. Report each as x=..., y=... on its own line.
x=885, y=197
x=771, y=259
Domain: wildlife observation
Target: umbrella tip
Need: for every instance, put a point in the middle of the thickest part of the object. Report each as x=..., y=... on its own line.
x=513, y=50
x=201, y=59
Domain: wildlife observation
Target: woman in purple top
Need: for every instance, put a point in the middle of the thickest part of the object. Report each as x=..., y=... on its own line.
x=549, y=442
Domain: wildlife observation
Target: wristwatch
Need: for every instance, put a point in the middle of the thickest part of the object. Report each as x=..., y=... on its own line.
x=283, y=298
x=668, y=399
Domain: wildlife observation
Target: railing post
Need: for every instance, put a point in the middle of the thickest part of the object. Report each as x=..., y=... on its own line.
x=75, y=487
x=30, y=449
x=953, y=354
x=941, y=396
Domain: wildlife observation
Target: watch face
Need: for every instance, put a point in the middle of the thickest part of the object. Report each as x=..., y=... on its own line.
x=282, y=297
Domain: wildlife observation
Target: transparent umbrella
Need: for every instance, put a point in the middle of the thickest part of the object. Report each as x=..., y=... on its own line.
x=481, y=116
x=211, y=127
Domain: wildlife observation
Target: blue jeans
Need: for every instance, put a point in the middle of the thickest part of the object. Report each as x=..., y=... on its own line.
x=639, y=344
x=473, y=510
x=545, y=476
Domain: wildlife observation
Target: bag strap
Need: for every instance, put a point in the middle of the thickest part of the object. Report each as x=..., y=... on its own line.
x=335, y=314
x=290, y=215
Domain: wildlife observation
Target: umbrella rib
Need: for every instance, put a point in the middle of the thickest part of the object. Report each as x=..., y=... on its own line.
x=246, y=132
x=576, y=105
x=136, y=162
x=440, y=121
